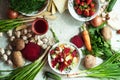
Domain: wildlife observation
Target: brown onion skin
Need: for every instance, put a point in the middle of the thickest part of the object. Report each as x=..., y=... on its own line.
x=97, y=21
x=12, y=14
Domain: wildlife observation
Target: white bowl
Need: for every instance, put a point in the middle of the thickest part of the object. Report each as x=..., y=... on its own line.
x=36, y=12
x=79, y=17
x=64, y=71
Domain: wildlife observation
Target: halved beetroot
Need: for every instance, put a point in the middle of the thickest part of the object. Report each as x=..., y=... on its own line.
x=31, y=51
x=77, y=40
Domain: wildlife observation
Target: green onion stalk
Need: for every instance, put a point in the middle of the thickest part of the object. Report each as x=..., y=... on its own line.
x=54, y=35
x=8, y=24
x=29, y=71
x=109, y=69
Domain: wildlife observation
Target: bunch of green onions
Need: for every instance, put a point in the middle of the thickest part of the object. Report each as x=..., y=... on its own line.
x=8, y=24
x=29, y=71
x=108, y=69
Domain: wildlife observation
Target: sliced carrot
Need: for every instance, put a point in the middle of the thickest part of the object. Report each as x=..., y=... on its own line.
x=86, y=39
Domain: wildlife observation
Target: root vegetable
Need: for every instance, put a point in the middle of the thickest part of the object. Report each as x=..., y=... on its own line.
x=89, y=61
x=32, y=51
x=18, y=44
x=17, y=59
x=107, y=33
x=97, y=21
x=86, y=39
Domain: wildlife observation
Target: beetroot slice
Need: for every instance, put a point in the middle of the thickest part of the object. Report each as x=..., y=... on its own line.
x=77, y=40
x=32, y=51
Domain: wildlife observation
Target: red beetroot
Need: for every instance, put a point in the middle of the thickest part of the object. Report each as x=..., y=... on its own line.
x=31, y=51
x=77, y=40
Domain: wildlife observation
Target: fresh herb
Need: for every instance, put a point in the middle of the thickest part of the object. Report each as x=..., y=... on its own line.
x=108, y=69
x=29, y=71
x=27, y=6
x=52, y=76
x=54, y=35
x=100, y=47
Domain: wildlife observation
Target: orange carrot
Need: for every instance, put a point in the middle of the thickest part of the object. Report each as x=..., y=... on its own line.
x=86, y=38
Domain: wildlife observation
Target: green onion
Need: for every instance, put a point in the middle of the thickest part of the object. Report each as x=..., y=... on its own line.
x=29, y=71
x=108, y=69
x=54, y=35
x=8, y=24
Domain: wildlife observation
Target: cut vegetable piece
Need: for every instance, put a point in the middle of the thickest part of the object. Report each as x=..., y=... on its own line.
x=50, y=6
x=61, y=5
x=53, y=8
x=77, y=40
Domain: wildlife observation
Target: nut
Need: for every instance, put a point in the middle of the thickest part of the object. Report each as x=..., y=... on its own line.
x=8, y=52
x=10, y=33
x=12, y=38
x=45, y=40
x=9, y=47
x=9, y=62
x=25, y=31
x=36, y=37
x=26, y=41
x=32, y=40
x=24, y=37
x=2, y=51
x=18, y=33
x=40, y=42
x=44, y=46
x=29, y=35
x=5, y=57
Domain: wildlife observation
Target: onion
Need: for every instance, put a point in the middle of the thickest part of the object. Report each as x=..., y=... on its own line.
x=97, y=21
x=12, y=14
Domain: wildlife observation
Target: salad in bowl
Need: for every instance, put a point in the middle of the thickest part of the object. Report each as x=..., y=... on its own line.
x=64, y=58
